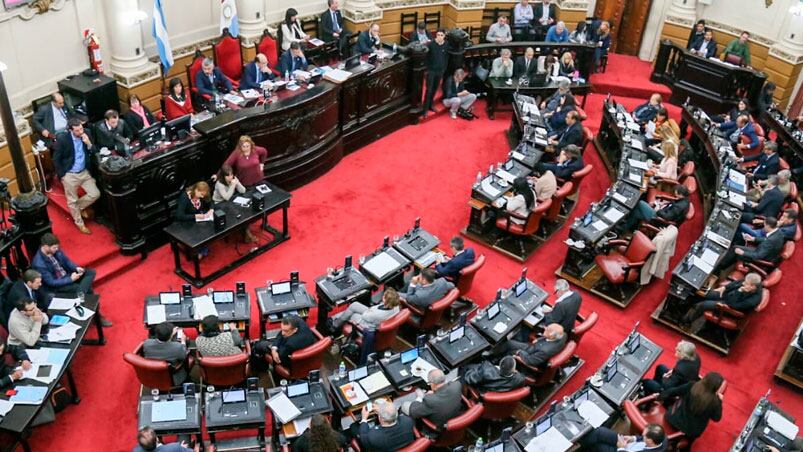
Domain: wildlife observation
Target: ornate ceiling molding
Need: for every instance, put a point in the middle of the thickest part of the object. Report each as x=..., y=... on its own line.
x=33, y=9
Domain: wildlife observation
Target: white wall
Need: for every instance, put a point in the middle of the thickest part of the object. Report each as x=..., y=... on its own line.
x=750, y=15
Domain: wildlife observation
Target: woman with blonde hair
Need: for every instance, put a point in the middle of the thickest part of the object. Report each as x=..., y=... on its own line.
x=248, y=161
x=668, y=168
x=566, y=68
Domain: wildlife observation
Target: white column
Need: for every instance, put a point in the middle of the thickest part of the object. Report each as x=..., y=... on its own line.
x=686, y=9
x=361, y=10
x=251, y=14
x=791, y=41
x=125, y=37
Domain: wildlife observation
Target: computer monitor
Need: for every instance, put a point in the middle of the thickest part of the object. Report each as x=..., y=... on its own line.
x=543, y=425
x=179, y=127
x=634, y=343
x=456, y=334
x=234, y=396
x=508, y=165
x=421, y=341
x=580, y=398
x=493, y=310
x=610, y=372
x=353, y=61
x=496, y=448
x=298, y=389
x=409, y=355
x=280, y=288
x=358, y=373
x=149, y=136
x=521, y=287
x=169, y=298
x=224, y=296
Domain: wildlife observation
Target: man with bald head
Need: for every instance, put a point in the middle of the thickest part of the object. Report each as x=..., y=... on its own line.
x=52, y=117
x=255, y=73
x=393, y=432
x=538, y=352
x=441, y=403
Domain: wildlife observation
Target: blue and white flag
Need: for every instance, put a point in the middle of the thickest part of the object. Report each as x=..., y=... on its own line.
x=160, y=35
x=228, y=17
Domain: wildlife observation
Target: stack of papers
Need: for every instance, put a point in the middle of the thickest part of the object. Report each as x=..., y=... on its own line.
x=204, y=306
x=589, y=411
x=489, y=188
x=44, y=373
x=736, y=198
x=505, y=175
x=283, y=408
x=710, y=257
x=233, y=98
x=87, y=313
x=620, y=197
x=635, y=177
x=64, y=333
x=5, y=407
x=250, y=93
x=46, y=355
x=420, y=368
x=241, y=201
x=381, y=264
x=551, y=440
x=29, y=395
x=353, y=393
x=613, y=215
x=62, y=304
x=718, y=239
x=500, y=327
x=702, y=265
x=374, y=383
x=599, y=225
x=316, y=42
x=299, y=74
x=782, y=425
x=155, y=314
x=427, y=259
x=301, y=425
x=638, y=164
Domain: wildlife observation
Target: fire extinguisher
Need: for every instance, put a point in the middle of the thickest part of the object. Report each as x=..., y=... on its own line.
x=92, y=44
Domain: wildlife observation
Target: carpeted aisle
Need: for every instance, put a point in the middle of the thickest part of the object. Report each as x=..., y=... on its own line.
x=425, y=171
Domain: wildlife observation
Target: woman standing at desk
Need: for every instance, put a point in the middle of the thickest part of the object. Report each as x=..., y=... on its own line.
x=138, y=116
x=177, y=103
x=248, y=161
x=699, y=403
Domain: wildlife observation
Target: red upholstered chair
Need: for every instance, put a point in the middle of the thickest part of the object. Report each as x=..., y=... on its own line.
x=557, y=201
x=430, y=318
x=756, y=150
x=528, y=229
x=228, y=52
x=499, y=406
x=542, y=377
x=624, y=263
x=581, y=114
x=387, y=332
x=305, y=360
x=732, y=320
x=455, y=429
x=268, y=47
x=734, y=59
x=192, y=70
x=467, y=274
x=648, y=410
x=151, y=373
x=759, y=129
x=770, y=277
x=419, y=445
x=686, y=172
x=577, y=177
x=581, y=329
x=588, y=138
x=225, y=370
x=783, y=163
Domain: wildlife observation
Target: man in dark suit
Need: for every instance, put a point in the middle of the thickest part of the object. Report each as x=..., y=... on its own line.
x=52, y=118
x=485, y=377
x=696, y=34
x=369, y=41
x=210, y=80
x=293, y=59
x=647, y=111
x=394, y=431
x=421, y=34
x=426, y=288
x=461, y=258
x=769, y=162
x=331, y=22
x=26, y=287
x=571, y=134
x=112, y=133
x=441, y=403
x=787, y=225
x=768, y=248
x=745, y=129
x=437, y=59
x=669, y=211
x=705, y=47
x=526, y=66
x=568, y=162
x=544, y=16
x=71, y=160
x=294, y=336
x=566, y=307
x=769, y=205
x=603, y=439
x=742, y=296
x=255, y=73
x=538, y=353
x=164, y=347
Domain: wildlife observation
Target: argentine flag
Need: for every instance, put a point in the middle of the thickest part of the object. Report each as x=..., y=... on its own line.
x=228, y=17
x=160, y=35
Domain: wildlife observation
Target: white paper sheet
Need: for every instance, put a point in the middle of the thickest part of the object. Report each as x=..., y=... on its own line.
x=702, y=265
x=710, y=257
x=301, y=425
x=203, y=306
x=489, y=189
x=62, y=304
x=599, y=225
x=381, y=264
x=358, y=394
x=736, y=198
x=782, y=425
x=240, y=200
x=283, y=408
x=375, y=382
x=638, y=164
x=33, y=372
x=500, y=327
x=156, y=314
x=423, y=367
x=613, y=215
x=551, y=440
x=589, y=411
x=505, y=175
x=5, y=407
x=737, y=177
x=635, y=177
x=718, y=239
x=620, y=197
x=517, y=155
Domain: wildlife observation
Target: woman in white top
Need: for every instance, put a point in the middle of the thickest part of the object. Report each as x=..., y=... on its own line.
x=291, y=30
x=369, y=319
x=549, y=64
x=227, y=184
x=668, y=168
x=522, y=202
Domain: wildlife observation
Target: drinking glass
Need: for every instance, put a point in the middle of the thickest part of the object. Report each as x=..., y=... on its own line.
x=155, y=394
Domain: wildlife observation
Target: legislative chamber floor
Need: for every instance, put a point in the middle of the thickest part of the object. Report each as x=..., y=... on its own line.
x=421, y=171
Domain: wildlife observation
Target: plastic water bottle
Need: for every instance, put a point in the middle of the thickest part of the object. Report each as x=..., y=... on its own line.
x=341, y=370
x=394, y=47
x=479, y=177
x=286, y=76
x=478, y=446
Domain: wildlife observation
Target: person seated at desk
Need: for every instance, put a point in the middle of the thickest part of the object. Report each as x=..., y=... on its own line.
x=552, y=102
x=502, y=65
x=194, y=204
x=696, y=34
x=603, y=38
x=769, y=162
x=138, y=116
x=706, y=47
x=426, y=288
x=112, y=132
x=522, y=19
x=537, y=353
x=226, y=184
x=557, y=33
x=440, y=404
x=210, y=80
x=213, y=342
x=421, y=34
x=293, y=60
x=566, y=307
x=544, y=185
x=581, y=34
x=769, y=205
x=168, y=346
x=687, y=369
x=320, y=437
x=700, y=402
x=669, y=211
x=760, y=186
x=485, y=377
x=556, y=119
x=369, y=41
x=521, y=203
x=566, y=66
x=394, y=431
x=369, y=318
x=768, y=248
x=647, y=111
x=603, y=439
x=499, y=31
x=25, y=323
x=461, y=258
x=742, y=296
x=739, y=48
x=248, y=161
x=549, y=65
x=9, y=370
x=668, y=167
x=26, y=287
x=568, y=162
x=255, y=73
x=178, y=102
x=727, y=122
x=787, y=225
x=52, y=118
x=744, y=128
x=295, y=335
x=331, y=22
x=455, y=95
x=662, y=128
x=60, y=275
x=291, y=30
x=572, y=134
x=148, y=441
x=527, y=66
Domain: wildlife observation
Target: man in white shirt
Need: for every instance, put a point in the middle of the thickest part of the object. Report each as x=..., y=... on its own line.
x=25, y=323
x=499, y=31
x=706, y=47
x=522, y=19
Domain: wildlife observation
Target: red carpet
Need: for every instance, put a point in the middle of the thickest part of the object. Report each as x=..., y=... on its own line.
x=425, y=171
x=628, y=76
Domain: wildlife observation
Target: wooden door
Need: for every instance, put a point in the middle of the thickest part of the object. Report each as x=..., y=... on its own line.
x=634, y=19
x=612, y=11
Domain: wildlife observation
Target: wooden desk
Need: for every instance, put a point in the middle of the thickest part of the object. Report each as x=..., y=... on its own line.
x=497, y=86
x=790, y=368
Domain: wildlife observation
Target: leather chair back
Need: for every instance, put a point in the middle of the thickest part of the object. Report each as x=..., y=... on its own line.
x=389, y=329
x=734, y=59
x=192, y=70
x=228, y=55
x=534, y=219
x=151, y=373
x=783, y=164
x=792, y=190
x=759, y=129
x=305, y=360
x=581, y=329
x=588, y=138
x=557, y=201
x=467, y=274
x=419, y=445
x=788, y=250
x=690, y=213
x=268, y=47
x=555, y=363
x=648, y=411
x=433, y=314
x=224, y=370
x=456, y=427
x=500, y=405
x=638, y=250
x=578, y=176
x=691, y=184
x=687, y=170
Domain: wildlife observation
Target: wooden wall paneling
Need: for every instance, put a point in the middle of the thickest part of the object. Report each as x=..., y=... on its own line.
x=634, y=20
x=7, y=168
x=612, y=11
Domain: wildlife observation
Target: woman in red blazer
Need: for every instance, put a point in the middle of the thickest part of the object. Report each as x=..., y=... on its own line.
x=177, y=103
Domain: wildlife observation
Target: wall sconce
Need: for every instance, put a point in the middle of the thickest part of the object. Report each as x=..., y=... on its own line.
x=137, y=17
x=796, y=10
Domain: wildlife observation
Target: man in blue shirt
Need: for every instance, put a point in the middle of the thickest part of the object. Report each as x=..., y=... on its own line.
x=71, y=160
x=557, y=33
x=148, y=442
